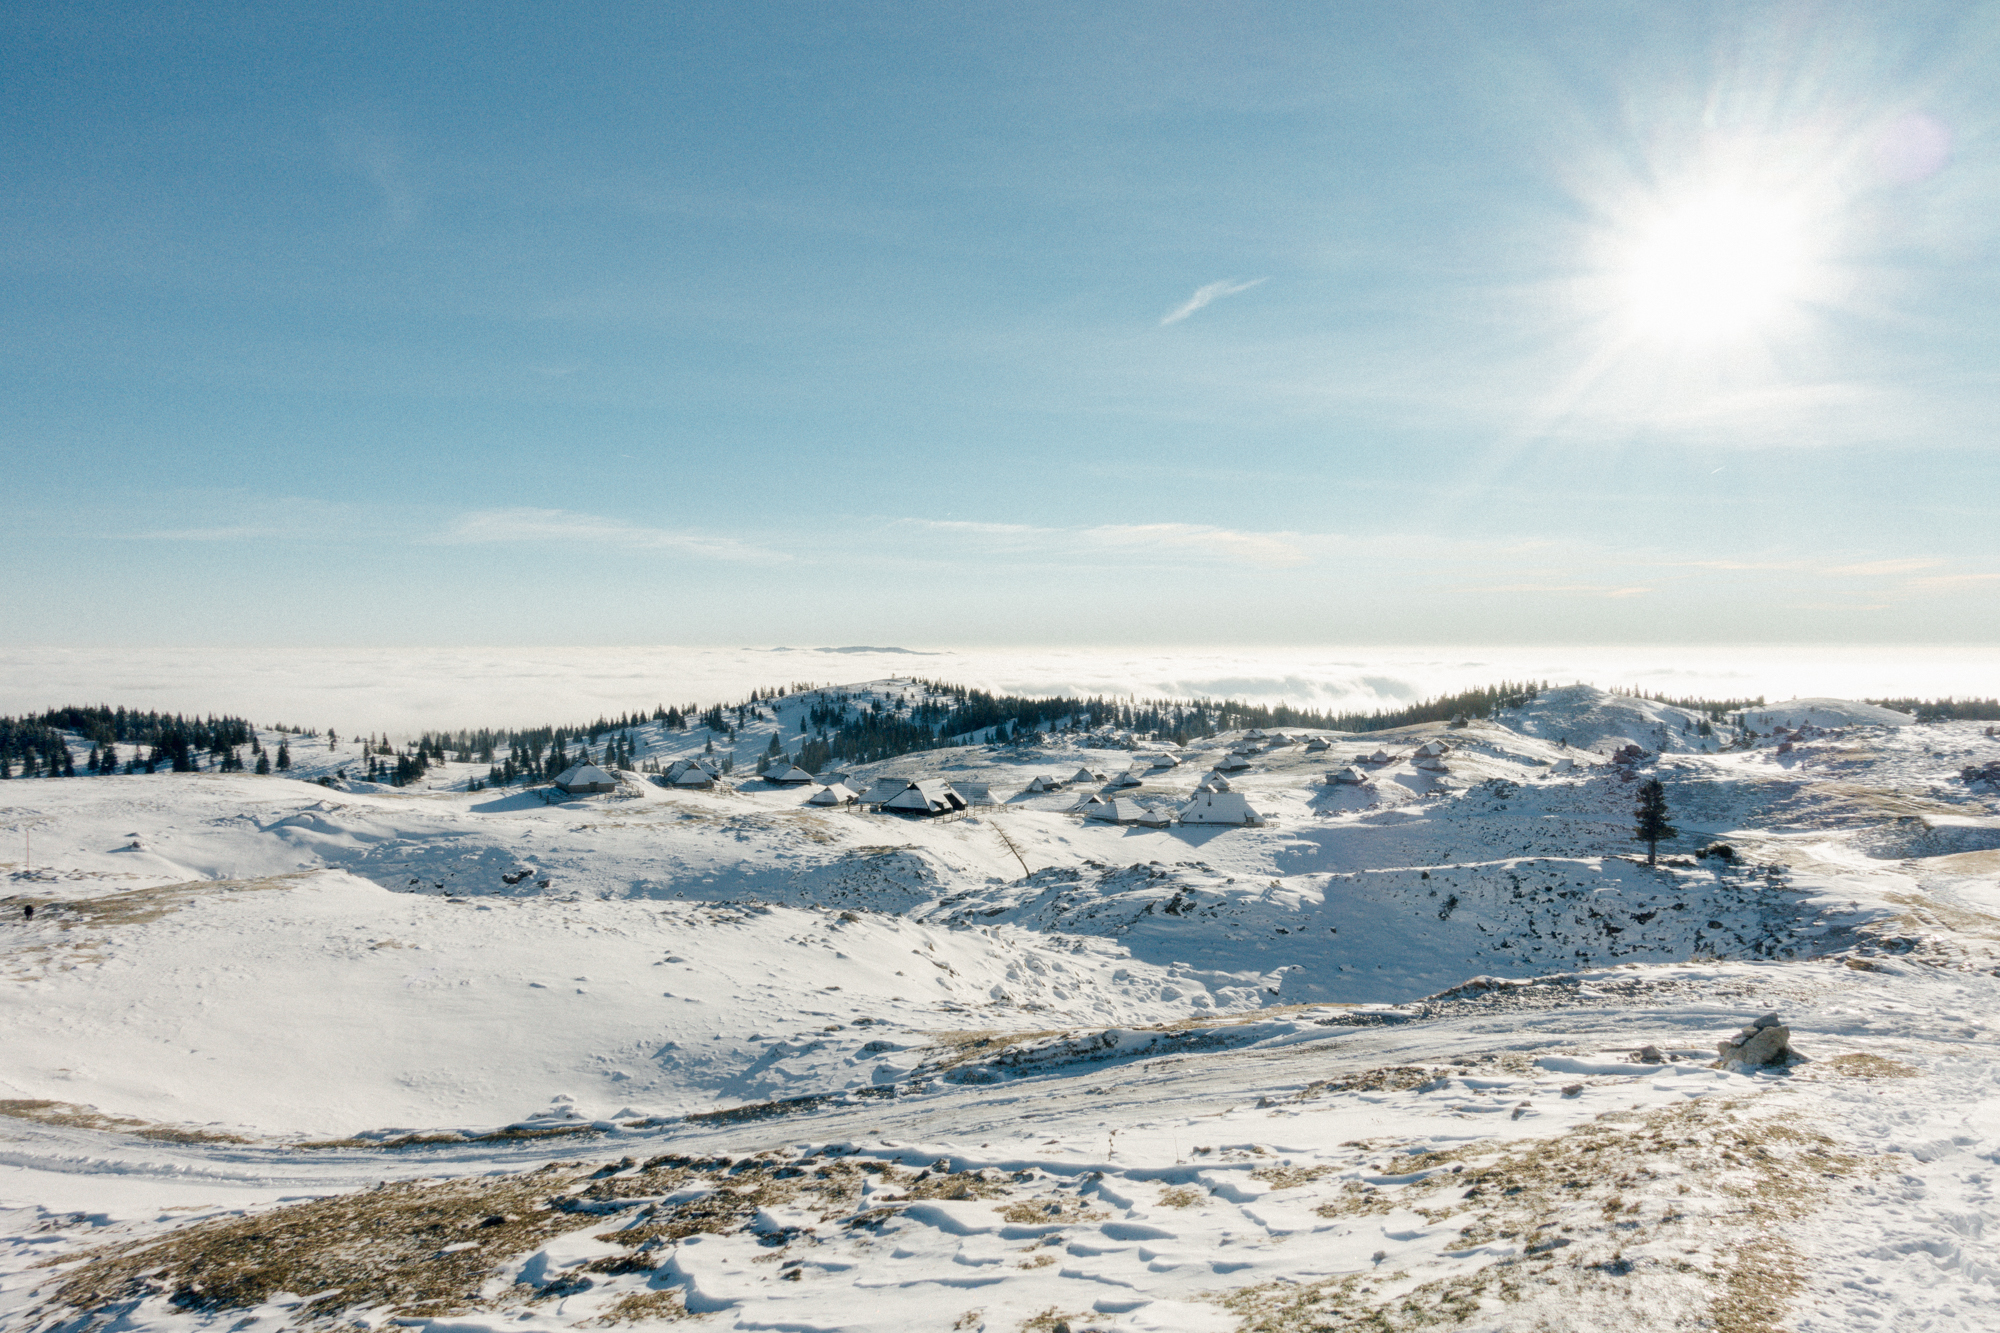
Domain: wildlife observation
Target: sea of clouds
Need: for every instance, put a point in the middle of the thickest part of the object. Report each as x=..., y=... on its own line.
x=404, y=690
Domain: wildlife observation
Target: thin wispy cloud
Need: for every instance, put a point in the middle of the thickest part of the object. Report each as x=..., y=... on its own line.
x=1875, y=567
x=1942, y=582
x=1161, y=541
x=1208, y=295
x=1588, y=589
x=556, y=527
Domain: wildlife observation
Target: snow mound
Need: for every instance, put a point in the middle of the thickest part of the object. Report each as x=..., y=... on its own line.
x=1588, y=718
x=1826, y=713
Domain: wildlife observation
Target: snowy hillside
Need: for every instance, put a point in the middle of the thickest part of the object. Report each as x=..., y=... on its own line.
x=714, y=1050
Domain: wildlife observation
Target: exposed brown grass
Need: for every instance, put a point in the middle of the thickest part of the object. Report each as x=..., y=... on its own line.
x=426, y=1249
x=80, y=923
x=1051, y=1210
x=89, y=1117
x=1858, y=1065
x=1691, y=1197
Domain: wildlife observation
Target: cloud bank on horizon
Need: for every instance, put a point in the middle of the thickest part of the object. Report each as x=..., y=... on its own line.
x=406, y=690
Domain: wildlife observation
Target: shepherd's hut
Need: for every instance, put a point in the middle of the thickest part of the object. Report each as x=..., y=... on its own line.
x=1220, y=807
x=584, y=779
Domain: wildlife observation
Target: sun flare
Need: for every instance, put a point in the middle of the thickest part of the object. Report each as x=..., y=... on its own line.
x=1716, y=268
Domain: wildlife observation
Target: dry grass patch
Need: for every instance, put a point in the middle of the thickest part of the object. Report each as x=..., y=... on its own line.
x=955, y=1048
x=1051, y=1210
x=89, y=1117
x=1289, y=1177
x=1858, y=1065
x=81, y=922
x=646, y=1307
x=427, y=1249
x=1667, y=1220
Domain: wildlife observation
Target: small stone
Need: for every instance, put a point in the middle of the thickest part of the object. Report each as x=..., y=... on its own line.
x=1573, y=1090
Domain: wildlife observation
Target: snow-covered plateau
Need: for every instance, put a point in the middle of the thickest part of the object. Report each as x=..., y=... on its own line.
x=1427, y=1045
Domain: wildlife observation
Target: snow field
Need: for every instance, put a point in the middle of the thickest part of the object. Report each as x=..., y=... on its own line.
x=715, y=1054
x=337, y=1006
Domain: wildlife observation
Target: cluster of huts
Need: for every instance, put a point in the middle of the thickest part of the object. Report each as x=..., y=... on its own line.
x=1213, y=802
x=1429, y=757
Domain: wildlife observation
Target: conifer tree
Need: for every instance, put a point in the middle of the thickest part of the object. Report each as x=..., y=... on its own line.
x=263, y=765
x=1651, y=816
x=284, y=756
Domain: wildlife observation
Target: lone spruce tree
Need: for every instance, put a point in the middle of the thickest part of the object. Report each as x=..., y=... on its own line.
x=1651, y=814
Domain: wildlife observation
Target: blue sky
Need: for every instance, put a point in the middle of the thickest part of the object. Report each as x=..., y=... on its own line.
x=1000, y=324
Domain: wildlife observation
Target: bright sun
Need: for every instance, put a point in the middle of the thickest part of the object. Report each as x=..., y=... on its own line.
x=1716, y=268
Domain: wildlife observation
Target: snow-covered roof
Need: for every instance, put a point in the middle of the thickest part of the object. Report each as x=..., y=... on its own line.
x=793, y=774
x=586, y=778
x=1126, y=811
x=884, y=789
x=1220, y=807
x=926, y=796
x=1350, y=776
x=1083, y=775
x=972, y=793
x=832, y=794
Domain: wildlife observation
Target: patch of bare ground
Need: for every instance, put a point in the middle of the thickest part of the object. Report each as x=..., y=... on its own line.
x=429, y=1249
x=1672, y=1219
x=68, y=931
x=1401, y=1078
x=1929, y=914
x=1051, y=1209
x=89, y=1117
x=1858, y=1065
x=955, y=1048
x=511, y=1134
x=646, y=1307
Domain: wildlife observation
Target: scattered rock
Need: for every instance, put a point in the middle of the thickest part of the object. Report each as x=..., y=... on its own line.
x=1572, y=1089
x=1981, y=775
x=1648, y=1054
x=1765, y=1042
